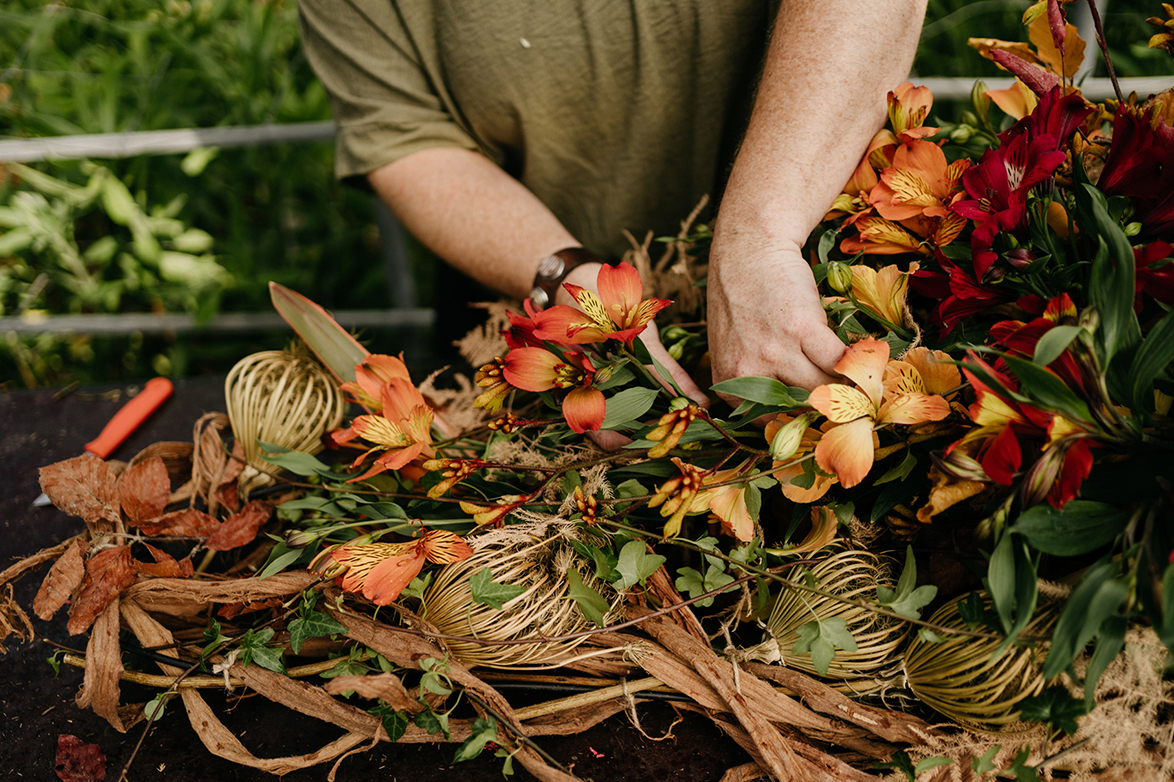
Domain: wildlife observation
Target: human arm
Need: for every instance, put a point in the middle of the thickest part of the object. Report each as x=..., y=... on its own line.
x=821, y=98
x=487, y=224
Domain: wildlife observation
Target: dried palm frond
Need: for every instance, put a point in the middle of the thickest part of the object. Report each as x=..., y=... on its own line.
x=280, y=397
x=848, y=574
x=961, y=678
x=538, y=562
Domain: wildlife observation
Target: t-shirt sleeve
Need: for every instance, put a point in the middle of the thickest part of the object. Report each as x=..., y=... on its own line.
x=385, y=103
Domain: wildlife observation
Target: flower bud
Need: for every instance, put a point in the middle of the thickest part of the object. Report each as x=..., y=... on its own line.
x=680, y=403
x=1132, y=229
x=676, y=350
x=788, y=438
x=1042, y=476
x=302, y=538
x=961, y=134
x=839, y=276
x=981, y=103
x=993, y=275
x=1020, y=258
x=958, y=465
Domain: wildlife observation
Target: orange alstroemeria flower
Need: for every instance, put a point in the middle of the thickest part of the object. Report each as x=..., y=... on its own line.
x=537, y=369
x=882, y=291
x=848, y=449
x=908, y=108
x=618, y=312
x=919, y=183
x=401, y=430
x=727, y=503
x=1016, y=101
x=878, y=236
x=380, y=571
x=371, y=376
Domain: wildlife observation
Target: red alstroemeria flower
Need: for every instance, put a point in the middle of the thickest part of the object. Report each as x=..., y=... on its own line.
x=959, y=293
x=1140, y=165
x=1156, y=281
x=537, y=369
x=848, y=450
x=380, y=571
x=618, y=312
x=998, y=186
x=1021, y=338
x=521, y=332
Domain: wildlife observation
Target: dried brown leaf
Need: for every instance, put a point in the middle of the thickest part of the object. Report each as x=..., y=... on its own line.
x=143, y=490
x=382, y=686
x=107, y=574
x=187, y=523
x=78, y=761
x=240, y=528
x=165, y=565
x=83, y=486
x=100, y=687
x=64, y=577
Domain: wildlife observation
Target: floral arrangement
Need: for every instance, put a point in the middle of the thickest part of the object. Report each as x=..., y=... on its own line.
x=1001, y=422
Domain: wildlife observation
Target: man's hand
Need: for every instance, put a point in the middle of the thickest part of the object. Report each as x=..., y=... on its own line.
x=766, y=317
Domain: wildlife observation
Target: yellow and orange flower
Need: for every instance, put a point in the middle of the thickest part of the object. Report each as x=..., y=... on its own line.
x=786, y=477
x=848, y=449
x=380, y=571
x=402, y=429
x=619, y=312
x=371, y=376
x=919, y=183
x=908, y=108
x=537, y=369
x=882, y=291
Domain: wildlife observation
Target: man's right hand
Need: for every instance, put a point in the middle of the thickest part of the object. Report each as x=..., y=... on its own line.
x=766, y=317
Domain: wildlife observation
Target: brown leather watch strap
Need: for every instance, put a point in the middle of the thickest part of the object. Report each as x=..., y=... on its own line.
x=553, y=270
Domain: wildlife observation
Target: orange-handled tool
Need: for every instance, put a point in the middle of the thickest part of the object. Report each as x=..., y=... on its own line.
x=130, y=417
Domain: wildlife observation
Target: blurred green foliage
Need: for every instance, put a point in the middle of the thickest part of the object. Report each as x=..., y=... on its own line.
x=274, y=211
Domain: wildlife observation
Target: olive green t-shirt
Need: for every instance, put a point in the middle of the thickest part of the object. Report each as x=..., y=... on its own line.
x=616, y=114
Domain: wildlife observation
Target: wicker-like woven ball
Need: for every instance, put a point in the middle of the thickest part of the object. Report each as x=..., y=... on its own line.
x=961, y=678
x=537, y=562
x=849, y=574
x=281, y=397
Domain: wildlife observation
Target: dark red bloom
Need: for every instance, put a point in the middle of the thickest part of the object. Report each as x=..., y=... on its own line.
x=1157, y=281
x=998, y=186
x=959, y=293
x=1140, y=165
x=521, y=334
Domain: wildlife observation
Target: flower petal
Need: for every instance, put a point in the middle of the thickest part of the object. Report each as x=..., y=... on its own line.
x=389, y=577
x=864, y=363
x=841, y=403
x=531, y=369
x=584, y=409
x=913, y=409
x=847, y=450
x=570, y=326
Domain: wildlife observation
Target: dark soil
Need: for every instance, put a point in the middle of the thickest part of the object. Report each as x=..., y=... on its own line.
x=36, y=706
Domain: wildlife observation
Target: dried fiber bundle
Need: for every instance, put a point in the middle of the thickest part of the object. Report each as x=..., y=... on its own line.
x=848, y=574
x=538, y=563
x=960, y=677
x=281, y=397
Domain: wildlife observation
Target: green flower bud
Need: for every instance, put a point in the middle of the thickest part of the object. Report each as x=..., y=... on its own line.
x=840, y=277
x=787, y=439
x=961, y=134
x=676, y=350
x=1133, y=229
x=680, y=403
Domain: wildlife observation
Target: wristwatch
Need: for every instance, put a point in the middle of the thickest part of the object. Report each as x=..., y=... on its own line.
x=553, y=269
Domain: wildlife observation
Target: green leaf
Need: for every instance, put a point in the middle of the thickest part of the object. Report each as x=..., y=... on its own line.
x=488, y=592
x=1053, y=343
x=1110, y=642
x=985, y=762
x=395, y=723
x=1001, y=581
x=604, y=561
x=690, y=580
x=434, y=723
x=925, y=764
x=1022, y=771
x=296, y=462
x=644, y=357
x=627, y=406
x=280, y=558
x=314, y=624
x=593, y=606
x=1113, y=270
x=338, y=351
x=635, y=564
x=820, y=637
x=254, y=650
x=764, y=390
x=900, y=472
x=907, y=599
x=1080, y=527
x=1095, y=599
x=1055, y=707
x=484, y=731
x=1150, y=361
x=900, y=762
x=153, y=711
x=1046, y=390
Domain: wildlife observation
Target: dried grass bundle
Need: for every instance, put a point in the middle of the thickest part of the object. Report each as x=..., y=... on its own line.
x=537, y=561
x=849, y=574
x=281, y=397
x=962, y=679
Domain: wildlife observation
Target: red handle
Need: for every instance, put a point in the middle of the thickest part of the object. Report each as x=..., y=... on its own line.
x=132, y=414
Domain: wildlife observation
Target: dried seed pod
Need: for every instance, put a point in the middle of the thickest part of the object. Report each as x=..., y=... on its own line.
x=281, y=397
x=961, y=678
x=849, y=574
x=537, y=562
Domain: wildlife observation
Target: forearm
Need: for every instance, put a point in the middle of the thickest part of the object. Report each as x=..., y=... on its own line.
x=473, y=215
x=821, y=98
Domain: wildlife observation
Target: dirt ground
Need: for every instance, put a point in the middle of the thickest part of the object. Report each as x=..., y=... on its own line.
x=37, y=706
